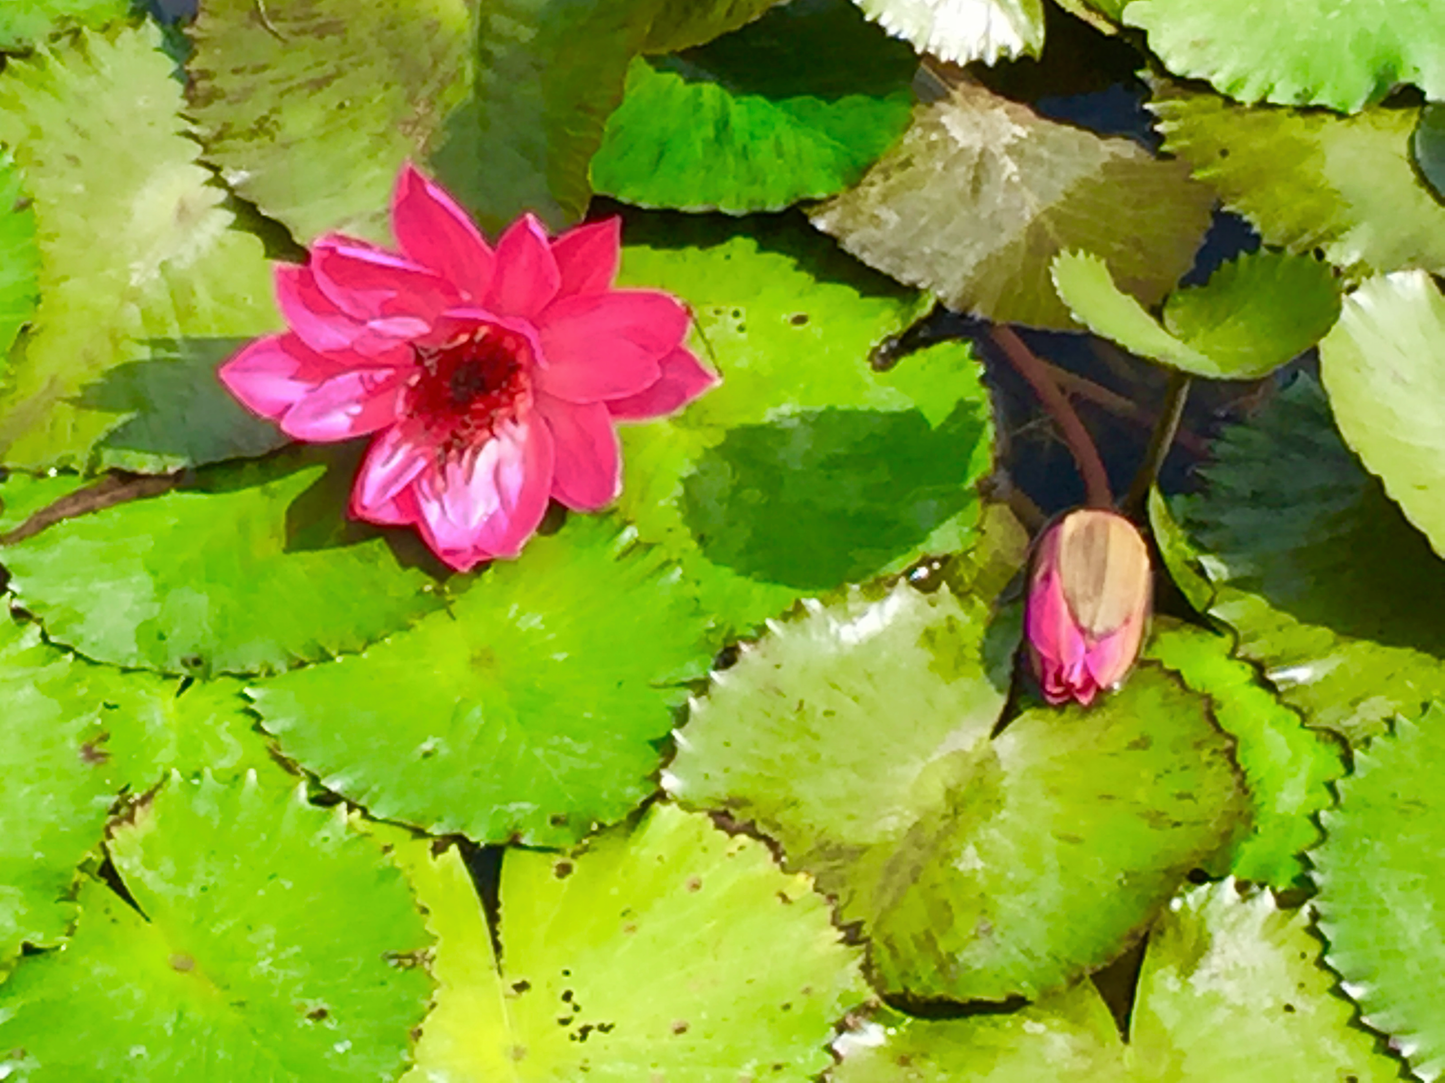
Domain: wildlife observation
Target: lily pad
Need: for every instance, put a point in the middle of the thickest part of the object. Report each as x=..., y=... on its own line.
x=964, y=30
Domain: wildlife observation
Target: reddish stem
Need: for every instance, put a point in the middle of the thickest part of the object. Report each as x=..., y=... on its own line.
x=1075, y=436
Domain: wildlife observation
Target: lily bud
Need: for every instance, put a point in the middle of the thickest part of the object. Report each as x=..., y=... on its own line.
x=1089, y=597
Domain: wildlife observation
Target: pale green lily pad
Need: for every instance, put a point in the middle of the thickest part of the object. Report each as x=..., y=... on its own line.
x=26, y=23
x=794, y=106
x=144, y=283
x=1230, y=990
x=1287, y=767
x=806, y=468
x=1254, y=314
x=531, y=708
x=230, y=965
x=1310, y=179
x=1379, y=875
x=981, y=194
x=1340, y=53
x=672, y=952
x=858, y=738
x=19, y=255
x=250, y=568
x=1384, y=369
x=964, y=30
x=1327, y=586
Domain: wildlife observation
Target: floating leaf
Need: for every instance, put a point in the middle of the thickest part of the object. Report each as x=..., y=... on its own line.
x=806, y=468
x=250, y=568
x=982, y=194
x=230, y=965
x=1256, y=313
x=795, y=106
x=1287, y=768
x=1380, y=882
x=1340, y=53
x=964, y=30
x=1427, y=144
x=144, y=283
x=676, y=952
x=981, y=867
x=531, y=708
x=1310, y=179
x=1384, y=369
x=1230, y=990
x=310, y=109
x=26, y=23
x=19, y=255
x=1327, y=586
x=683, y=24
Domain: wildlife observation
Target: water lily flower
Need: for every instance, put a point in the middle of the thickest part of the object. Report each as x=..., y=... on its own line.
x=1089, y=598
x=491, y=378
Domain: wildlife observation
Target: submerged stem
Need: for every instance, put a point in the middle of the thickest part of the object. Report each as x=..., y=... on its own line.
x=1160, y=441
x=1071, y=429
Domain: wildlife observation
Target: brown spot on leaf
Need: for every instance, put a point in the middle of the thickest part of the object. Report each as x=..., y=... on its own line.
x=182, y=962
x=679, y=1026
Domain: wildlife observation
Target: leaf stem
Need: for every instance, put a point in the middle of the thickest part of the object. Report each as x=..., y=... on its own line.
x=1160, y=441
x=1071, y=429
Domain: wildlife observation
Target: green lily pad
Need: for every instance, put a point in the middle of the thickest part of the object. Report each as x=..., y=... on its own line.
x=144, y=283
x=26, y=23
x=229, y=965
x=1339, y=53
x=250, y=568
x=19, y=255
x=683, y=24
x=1327, y=586
x=1230, y=990
x=1379, y=875
x=964, y=30
x=1310, y=179
x=981, y=867
x=531, y=708
x=794, y=106
x=1254, y=314
x=1427, y=144
x=1287, y=767
x=981, y=194
x=806, y=468
x=1384, y=369
x=673, y=952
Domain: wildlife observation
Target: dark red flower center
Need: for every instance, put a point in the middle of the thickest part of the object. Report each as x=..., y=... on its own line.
x=470, y=384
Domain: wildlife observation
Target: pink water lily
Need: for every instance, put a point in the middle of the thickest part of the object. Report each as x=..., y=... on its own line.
x=492, y=378
x=1090, y=592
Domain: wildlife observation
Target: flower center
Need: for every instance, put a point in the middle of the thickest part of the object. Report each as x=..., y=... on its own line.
x=469, y=385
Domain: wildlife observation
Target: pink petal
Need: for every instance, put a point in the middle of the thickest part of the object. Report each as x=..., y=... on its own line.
x=370, y=284
x=487, y=504
x=526, y=277
x=272, y=374
x=607, y=345
x=683, y=379
x=401, y=510
x=1110, y=658
x=588, y=471
x=436, y=233
x=395, y=459
x=310, y=313
x=587, y=257
x=352, y=404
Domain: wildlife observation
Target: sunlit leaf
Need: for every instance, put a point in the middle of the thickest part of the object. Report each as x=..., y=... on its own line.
x=1381, y=885
x=675, y=952
x=1287, y=768
x=230, y=966
x=249, y=568
x=1326, y=585
x=806, y=469
x=1230, y=990
x=982, y=194
x=1310, y=179
x=145, y=285
x=795, y=106
x=19, y=255
x=859, y=739
x=26, y=23
x=1340, y=53
x=1384, y=369
x=532, y=707
x=1254, y=314
x=964, y=30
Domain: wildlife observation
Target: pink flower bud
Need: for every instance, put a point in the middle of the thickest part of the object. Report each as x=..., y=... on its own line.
x=1089, y=597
